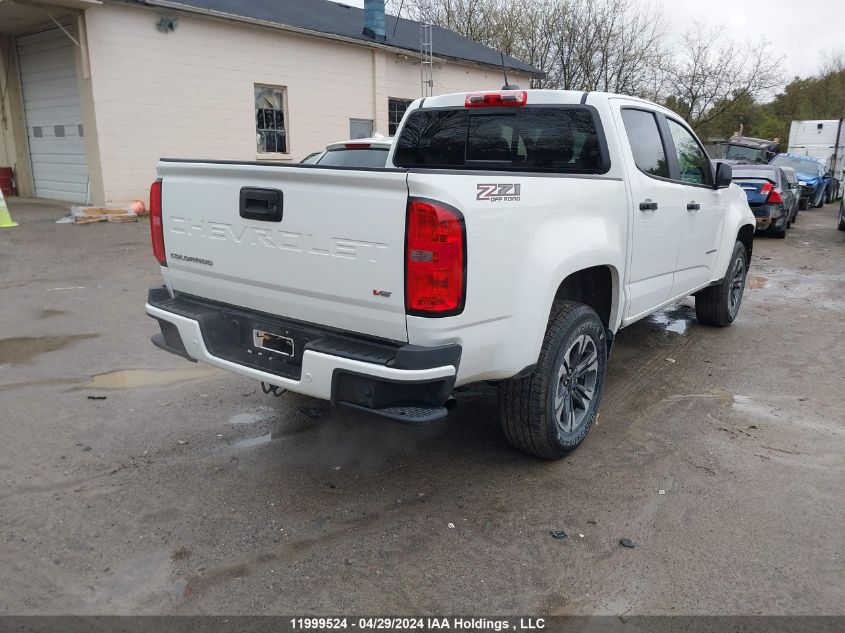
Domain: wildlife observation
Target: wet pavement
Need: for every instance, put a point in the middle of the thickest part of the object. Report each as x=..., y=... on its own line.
x=184, y=489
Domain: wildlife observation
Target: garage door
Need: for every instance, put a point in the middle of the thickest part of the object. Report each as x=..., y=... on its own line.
x=53, y=116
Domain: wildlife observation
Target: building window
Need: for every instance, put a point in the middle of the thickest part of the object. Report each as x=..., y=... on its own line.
x=270, y=120
x=395, y=111
x=360, y=128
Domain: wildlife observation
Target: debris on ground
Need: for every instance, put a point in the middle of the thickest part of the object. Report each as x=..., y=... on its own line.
x=661, y=492
x=97, y=397
x=626, y=542
x=86, y=215
x=591, y=522
x=558, y=534
x=671, y=360
x=183, y=441
x=451, y=526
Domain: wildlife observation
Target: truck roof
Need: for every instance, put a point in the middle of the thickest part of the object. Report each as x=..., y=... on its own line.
x=534, y=96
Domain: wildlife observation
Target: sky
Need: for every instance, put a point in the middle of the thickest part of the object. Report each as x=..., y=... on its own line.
x=801, y=31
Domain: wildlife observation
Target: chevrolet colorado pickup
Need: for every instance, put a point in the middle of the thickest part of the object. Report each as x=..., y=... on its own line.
x=511, y=235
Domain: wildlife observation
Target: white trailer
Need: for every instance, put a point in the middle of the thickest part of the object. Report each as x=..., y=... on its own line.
x=825, y=140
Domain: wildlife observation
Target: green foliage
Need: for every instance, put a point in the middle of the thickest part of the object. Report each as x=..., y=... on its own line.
x=820, y=97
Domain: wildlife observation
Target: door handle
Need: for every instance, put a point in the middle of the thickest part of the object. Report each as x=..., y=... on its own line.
x=648, y=205
x=693, y=206
x=264, y=205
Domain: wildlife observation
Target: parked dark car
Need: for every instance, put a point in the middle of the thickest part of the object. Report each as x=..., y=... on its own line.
x=842, y=215
x=747, y=150
x=769, y=196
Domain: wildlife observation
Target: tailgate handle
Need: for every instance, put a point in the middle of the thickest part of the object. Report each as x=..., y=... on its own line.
x=261, y=204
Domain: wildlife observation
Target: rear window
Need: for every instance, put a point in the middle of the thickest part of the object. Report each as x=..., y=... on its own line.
x=373, y=157
x=530, y=138
x=738, y=172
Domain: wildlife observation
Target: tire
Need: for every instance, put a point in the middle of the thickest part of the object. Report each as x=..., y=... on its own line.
x=534, y=411
x=719, y=305
x=842, y=215
x=779, y=232
x=803, y=203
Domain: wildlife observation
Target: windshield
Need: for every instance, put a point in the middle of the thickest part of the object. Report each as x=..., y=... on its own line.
x=737, y=152
x=802, y=166
x=345, y=157
x=311, y=158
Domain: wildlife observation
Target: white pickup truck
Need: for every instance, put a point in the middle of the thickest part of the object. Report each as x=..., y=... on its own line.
x=512, y=234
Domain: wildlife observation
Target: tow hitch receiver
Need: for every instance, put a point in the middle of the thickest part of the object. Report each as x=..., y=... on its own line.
x=272, y=342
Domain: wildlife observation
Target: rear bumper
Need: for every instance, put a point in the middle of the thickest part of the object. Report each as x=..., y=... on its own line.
x=767, y=215
x=400, y=381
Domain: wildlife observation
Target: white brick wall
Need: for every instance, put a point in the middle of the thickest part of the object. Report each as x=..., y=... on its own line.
x=189, y=93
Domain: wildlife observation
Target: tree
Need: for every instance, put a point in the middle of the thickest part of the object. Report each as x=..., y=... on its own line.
x=713, y=76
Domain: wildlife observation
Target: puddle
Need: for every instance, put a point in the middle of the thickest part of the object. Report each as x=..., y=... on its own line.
x=138, y=378
x=25, y=348
x=249, y=442
x=755, y=282
x=675, y=319
x=261, y=414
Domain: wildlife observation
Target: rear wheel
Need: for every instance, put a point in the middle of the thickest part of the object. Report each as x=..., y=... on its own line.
x=779, y=231
x=803, y=203
x=549, y=412
x=719, y=305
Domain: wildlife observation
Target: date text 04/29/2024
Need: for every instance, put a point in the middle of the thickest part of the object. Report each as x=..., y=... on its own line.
x=417, y=624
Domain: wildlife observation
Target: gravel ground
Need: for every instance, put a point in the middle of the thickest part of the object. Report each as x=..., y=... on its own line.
x=720, y=452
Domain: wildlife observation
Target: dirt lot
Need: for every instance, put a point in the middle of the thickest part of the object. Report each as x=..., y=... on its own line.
x=189, y=491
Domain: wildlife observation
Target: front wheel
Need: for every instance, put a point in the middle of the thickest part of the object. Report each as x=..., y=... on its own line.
x=719, y=305
x=549, y=412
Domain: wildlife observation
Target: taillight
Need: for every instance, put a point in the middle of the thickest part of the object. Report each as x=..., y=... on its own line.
x=156, y=228
x=496, y=99
x=435, y=259
x=357, y=146
x=773, y=194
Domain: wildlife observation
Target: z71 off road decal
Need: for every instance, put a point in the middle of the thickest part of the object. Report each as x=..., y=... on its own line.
x=498, y=192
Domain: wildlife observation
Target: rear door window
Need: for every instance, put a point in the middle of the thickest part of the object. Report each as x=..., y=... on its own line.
x=530, y=138
x=646, y=143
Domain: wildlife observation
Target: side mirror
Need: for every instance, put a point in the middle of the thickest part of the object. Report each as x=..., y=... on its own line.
x=724, y=175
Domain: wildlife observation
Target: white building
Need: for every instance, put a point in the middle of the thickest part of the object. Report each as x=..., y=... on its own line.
x=95, y=91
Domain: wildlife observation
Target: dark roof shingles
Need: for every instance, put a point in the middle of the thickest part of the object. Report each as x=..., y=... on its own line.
x=324, y=16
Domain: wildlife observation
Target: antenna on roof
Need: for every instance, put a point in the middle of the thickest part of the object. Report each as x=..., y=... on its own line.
x=507, y=85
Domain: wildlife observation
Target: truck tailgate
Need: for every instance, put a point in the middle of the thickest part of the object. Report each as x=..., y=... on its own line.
x=335, y=258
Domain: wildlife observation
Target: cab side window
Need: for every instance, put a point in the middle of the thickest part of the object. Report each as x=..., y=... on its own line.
x=692, y=161
x=646, y=143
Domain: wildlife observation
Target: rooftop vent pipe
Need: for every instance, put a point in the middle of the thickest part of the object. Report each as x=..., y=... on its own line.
x=374, y=19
